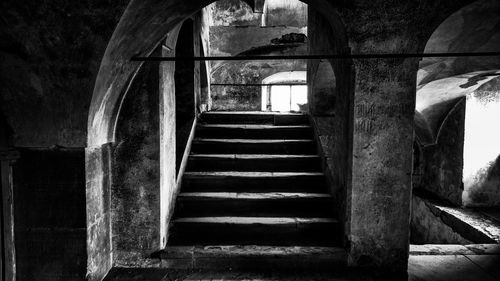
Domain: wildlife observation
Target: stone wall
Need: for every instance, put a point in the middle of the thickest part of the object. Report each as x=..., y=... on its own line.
x=136, y=169
x=138, y=193
x=50, y=53
x=428, y=226
x=442, y=163
x=285, y=12
x=236, y=84
x=274, y=13
x=233, y=13
x=328, y=108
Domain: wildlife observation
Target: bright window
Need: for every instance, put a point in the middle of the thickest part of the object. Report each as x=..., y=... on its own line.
x=288, y=97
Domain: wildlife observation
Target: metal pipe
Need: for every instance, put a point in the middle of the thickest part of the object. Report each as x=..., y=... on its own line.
x=316, y=57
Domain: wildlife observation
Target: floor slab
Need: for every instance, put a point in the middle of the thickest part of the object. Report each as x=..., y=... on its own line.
x=420, y=268
x=445, y=268
x=490, y=264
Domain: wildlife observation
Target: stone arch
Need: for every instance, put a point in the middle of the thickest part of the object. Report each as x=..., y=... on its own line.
x=457, y=24
x=144, y=26
x=138, y=33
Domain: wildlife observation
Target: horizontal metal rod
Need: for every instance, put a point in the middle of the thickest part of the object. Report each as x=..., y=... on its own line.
x=257, y=85
x=316, y=57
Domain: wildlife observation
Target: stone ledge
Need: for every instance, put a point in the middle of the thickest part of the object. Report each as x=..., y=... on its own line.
x=440, y=249
x=472, y=225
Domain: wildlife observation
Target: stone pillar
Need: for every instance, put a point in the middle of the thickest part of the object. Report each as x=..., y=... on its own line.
x=98, y=194
x=384, y=105
x=7, y=159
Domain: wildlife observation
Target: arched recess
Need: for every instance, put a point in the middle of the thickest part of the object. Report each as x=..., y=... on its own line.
x=185, y=88
x=323, y=88
x=146, y=25
x=449, y=90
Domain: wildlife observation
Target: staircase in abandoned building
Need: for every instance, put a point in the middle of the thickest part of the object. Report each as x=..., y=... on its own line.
x=253, y=188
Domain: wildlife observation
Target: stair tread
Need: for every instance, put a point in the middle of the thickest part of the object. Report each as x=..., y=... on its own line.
x=252, y=174
x=251, y=250
x=253, y=156
x=253, y=126
x=253, y=141
x=254, y=195
x=258, y=113
x=255, y=220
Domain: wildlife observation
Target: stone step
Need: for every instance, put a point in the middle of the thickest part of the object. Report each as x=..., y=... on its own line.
x=252, y=146
x=275, y=231
x=254, y=131
x=272, y=118
x=254, y=162
x=237, y=257
x=272, y=204
x=232, y=181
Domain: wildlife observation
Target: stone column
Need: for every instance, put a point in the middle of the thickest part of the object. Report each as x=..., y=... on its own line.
x=384, y=106
x=98, y=193
x=7, y=159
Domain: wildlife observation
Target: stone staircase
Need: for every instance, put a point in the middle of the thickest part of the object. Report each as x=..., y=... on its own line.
x=253, y=185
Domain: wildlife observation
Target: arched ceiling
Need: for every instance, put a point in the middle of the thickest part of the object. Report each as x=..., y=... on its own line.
x=442, y=82
x=474, y=28
x=437, y=99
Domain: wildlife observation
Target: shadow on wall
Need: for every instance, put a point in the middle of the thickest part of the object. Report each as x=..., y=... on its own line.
x=5, y=132
x=185, y=88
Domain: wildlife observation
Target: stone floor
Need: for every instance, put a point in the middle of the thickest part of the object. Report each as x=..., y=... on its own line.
x=420, y=268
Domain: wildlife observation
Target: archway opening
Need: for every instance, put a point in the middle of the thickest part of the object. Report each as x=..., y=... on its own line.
x=457, y=100
x=236, y=30
x=111, y=88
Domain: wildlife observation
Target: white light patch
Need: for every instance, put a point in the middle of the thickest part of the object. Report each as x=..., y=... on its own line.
x=280, y=98
x=299, y=97
x=482, y=134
